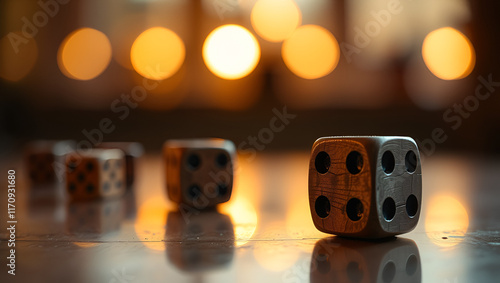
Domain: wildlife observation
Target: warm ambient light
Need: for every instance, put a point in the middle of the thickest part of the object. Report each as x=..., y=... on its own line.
x=244, y=218
x=84, y=54
x=446, y=221
x=18, y=56
x=275, y=20
x=85, y=244
x=448, y=54
x=157, y=53
x=273, y=255
x=150, y=223
x=311, y=52
x=231, y=52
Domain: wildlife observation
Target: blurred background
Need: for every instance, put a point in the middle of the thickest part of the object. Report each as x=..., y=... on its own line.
x=149, y=70
x=269, y=75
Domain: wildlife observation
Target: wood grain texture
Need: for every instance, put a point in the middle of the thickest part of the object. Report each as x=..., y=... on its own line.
x=97, y=173
x=339, y=186
x=338, y=259
x=199, y=172
x=365, y=218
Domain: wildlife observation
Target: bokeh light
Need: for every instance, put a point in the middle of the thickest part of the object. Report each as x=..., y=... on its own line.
x=18, y=56
x=231, y=52
x=311, y=52
x=157, y=53
x=84, y=54
x=242, y=208
x=446, y=221
x=122, y=34
x=299, y=222
x=275, y=255
x=244, y=218
x=275, y=20
x=448, y=54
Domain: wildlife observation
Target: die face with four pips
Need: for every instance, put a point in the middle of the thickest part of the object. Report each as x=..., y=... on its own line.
x=199, y=172
x=365, y=187
x=97, y=173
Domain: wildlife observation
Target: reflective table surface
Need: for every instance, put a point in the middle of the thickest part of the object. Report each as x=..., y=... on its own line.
x=263, y=234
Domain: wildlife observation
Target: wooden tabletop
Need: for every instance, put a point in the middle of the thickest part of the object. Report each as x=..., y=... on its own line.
x=263, y=234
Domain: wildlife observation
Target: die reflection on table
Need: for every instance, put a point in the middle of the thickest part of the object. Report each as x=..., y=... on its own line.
x=337, y=259
x=94, y=218
x=44, y=197
x=199, y=241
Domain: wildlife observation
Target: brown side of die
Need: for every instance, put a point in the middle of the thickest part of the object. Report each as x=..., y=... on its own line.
x=172, y=157
x=81, y=183
x=341, y=200
x=42, y=159
x=40, y=169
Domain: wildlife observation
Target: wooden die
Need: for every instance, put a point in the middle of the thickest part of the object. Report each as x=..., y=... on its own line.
x=365, y=187
x=43, y=157
x=199, y=172
x=96, y=173
x=132, y=151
